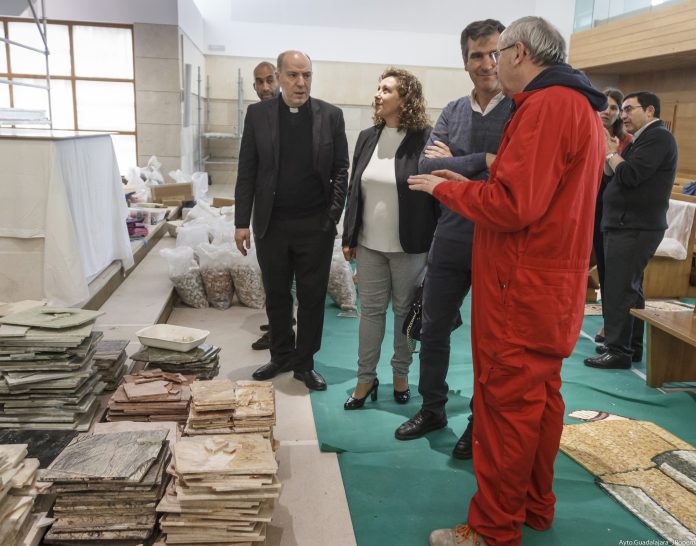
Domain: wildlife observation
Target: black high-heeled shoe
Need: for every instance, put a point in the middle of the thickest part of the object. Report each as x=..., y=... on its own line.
x=357, y=403
x=402, y=397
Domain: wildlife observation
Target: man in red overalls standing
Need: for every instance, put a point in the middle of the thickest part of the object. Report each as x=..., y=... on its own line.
x=532, y=242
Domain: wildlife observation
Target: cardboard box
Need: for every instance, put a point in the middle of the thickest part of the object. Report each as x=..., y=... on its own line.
x=219, y=202
x=172, y=192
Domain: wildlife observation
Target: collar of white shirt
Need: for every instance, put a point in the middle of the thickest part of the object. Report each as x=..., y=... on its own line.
x=489, y=107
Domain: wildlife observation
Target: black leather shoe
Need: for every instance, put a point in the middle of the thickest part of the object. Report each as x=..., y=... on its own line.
x=312, y=379
x=599, y=338
x=402, y=397
x=609, y=361
x=267, y=371
x=637, y=355
x=419, y=425
x=463, y=447
x=263, y=343
x=357, y=403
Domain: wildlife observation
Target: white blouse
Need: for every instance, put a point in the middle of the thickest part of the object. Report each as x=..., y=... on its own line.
x=380, y=221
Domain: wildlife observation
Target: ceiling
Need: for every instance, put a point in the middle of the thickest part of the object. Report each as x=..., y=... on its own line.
x=443, y=16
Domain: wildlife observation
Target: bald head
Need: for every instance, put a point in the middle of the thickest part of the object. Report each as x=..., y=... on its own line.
x=291, y=53
x=295, y=77
x=265, y=81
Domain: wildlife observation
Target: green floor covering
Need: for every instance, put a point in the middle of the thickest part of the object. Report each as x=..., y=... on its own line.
x=399, y=491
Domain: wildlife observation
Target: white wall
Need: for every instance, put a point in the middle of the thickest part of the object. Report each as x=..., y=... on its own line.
x=333, y=44
x=191, y=22
x=330, y=31
x=162, y=12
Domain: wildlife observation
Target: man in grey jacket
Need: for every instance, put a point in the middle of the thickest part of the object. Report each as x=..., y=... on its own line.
x=464, y=140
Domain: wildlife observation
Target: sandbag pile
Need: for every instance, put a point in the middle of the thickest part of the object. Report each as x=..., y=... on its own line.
x=48, y=379
x=223, y=492
x=151, y=395
x=203, y=362
x=110, y=361
x=107, y=488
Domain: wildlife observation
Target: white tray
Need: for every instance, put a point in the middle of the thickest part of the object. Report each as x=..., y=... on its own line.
x=174, y=338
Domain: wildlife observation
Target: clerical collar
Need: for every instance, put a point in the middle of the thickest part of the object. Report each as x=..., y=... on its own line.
x=292, y=109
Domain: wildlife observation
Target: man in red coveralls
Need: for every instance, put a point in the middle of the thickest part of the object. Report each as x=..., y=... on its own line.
x=532, y=243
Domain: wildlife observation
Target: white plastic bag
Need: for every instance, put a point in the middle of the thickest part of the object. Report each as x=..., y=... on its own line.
x=200, y=185
x=215, y=263
x=152, y=173
x=246, y=276
x=185, y=275
x=191, y=235
x=222, y=232
x=341, y=287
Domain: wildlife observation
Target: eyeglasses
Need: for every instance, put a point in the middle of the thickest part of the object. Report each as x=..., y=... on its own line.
x=628, y=109
x=496, y=54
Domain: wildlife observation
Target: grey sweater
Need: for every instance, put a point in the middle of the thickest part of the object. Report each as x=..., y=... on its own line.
x=469, y=135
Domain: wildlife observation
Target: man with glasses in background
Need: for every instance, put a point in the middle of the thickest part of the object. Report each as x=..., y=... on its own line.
x=534, y=220
x=464, y=140
x=634, y=220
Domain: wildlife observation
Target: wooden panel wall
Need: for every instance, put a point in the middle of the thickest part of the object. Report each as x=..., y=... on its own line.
x=668, y=32
x=675, y=88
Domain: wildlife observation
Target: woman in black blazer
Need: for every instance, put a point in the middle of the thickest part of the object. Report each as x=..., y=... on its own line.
x=387, y=228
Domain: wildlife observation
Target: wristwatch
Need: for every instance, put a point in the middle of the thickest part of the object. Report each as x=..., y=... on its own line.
x=609, y=156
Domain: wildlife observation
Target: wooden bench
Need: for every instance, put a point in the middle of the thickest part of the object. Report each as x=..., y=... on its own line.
x=668, y=278
x=671, y=350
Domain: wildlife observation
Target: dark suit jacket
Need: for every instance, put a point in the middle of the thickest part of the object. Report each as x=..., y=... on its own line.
x=418, y=211
x=637, y=196
x=259, y=155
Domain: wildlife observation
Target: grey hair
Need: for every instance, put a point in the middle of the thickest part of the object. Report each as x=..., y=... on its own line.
x=545, y=44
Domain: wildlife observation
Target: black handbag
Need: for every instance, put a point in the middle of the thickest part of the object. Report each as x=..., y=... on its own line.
x=412, y=323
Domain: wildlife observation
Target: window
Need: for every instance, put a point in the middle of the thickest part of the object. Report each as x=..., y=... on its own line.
x=91, y=73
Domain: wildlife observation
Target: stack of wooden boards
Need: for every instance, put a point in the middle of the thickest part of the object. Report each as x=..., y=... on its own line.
x=224, y=490
x=203, y=362
x=17, y=477
x=151, y=395
x=47, y=375
x=220, y=406
x=107, y=488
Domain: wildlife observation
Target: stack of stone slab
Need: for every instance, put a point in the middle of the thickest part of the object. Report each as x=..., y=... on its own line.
x=151, y=395
x=203, y=362
x=107, y=487
x=255, y=408
x=212, y=407
x=47, y=375
x=221, y=406
x=17, y=477
x=224, y=490
x=110, y=361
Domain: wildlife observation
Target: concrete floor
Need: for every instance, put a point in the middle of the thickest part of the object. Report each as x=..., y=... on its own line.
x=312, y=509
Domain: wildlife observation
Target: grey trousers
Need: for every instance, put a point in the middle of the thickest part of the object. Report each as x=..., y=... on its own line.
x=385, y=277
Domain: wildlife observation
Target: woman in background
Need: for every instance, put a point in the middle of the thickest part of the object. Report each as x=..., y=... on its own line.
x=611, y=119
x=388, y=229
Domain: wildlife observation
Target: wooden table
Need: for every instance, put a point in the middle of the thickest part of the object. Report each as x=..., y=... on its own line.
x=671, y=345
